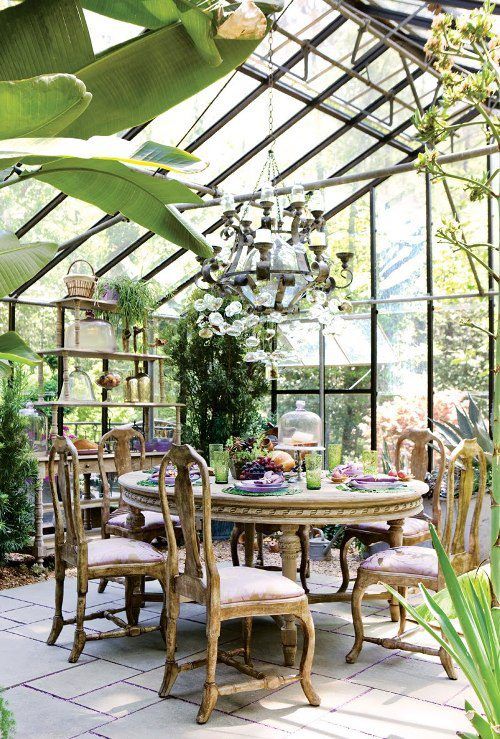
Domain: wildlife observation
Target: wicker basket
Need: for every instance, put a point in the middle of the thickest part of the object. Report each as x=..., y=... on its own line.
x=80, y=285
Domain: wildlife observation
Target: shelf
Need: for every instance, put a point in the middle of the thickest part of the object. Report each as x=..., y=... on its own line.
x=89, y=354
x=87, y=304
x=97, y=404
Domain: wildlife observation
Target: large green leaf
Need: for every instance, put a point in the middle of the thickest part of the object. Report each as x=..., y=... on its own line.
x=42, y=37
x=14, y=349
x=41, y=106
x=114, y=187
x=106, y=148
x=20, y=262
x=141, y=79
x=199, y=26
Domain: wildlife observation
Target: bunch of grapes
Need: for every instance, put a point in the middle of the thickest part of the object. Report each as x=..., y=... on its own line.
x=255, y=470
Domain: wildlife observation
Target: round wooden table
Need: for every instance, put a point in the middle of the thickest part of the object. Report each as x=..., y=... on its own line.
x=326, y=506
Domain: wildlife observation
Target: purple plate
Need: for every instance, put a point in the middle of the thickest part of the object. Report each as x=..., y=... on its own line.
x=373, y=485
x=251, y=487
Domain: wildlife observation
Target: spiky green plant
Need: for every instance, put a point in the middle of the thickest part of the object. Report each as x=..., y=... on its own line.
x=471, y=424
x=477, y=652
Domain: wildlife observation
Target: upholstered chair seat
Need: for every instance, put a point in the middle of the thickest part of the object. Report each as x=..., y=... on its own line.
x=152, y=521
x=118, y=551
x=404, y=561
x=245, y=584
x=411, y=527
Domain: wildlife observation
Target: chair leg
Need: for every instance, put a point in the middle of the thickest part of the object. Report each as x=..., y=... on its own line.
x=344, y=567
x=260, y=549
x=247, y=639
x=447, y=662
x=307, y=658
x=102, y=584
x=171, y=667
x=57, y=621
x=356, y=599
x=402, y=612
x=235, y=535
x=210, y=693
x=133, y=598
x=394, y=609
x=303, y=533
x=80, y=637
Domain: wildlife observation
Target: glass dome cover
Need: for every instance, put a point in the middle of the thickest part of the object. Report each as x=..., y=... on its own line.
x=95, y=334
x=300, y=428
x=35, y=427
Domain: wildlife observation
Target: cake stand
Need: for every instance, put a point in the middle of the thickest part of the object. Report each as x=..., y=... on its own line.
x=297, y=449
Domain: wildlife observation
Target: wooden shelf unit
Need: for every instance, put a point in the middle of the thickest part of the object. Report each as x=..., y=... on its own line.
x=90, y=354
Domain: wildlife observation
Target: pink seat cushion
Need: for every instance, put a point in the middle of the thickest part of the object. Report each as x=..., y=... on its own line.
x=243, y=584
x=411, y=527
x=404, y=561
x=122, y=551
x=152, y=520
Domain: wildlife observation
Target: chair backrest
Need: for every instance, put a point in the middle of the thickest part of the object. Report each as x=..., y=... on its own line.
x=421, y=440
x=464, y=551
x=122, y=436
x=64, y=478
x=193, y=582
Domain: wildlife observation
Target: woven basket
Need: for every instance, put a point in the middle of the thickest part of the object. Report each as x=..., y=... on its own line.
x=80, y=285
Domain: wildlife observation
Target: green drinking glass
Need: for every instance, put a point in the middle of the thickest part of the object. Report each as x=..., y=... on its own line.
x=211, y=449
x=369, y=459
x=314, y=465
x=334, y=456
x=220, y=464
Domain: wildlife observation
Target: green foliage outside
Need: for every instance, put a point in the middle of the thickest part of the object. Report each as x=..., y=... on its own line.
x=221, y=390
x=7, y=723
x=18, y=469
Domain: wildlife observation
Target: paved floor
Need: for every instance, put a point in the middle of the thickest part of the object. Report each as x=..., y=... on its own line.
x=112, y=691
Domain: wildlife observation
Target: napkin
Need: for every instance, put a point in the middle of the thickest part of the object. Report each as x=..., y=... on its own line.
x=269, y=478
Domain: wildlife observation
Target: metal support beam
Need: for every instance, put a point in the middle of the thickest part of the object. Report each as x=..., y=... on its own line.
x=373, y=323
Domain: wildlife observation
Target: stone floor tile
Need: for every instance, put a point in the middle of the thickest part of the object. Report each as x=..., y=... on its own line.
x=288, y=709
x=119, y=699
x=42, y=716
x=390, y=716
x=28, y=614
x=326, y=730
x=8, y=604
x=24, y=659
x=42, y=593
x=6, y=623
x=83, y=678
x=462, y=695
x=39, y=630
x=407, y=677
x=180, y=717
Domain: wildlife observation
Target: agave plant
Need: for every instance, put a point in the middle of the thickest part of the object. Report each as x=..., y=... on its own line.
x=470, y=424
x=477, y=652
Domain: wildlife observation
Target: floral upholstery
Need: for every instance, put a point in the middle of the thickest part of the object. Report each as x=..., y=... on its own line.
x=405, y=561
x=152, y=520
x=243, y=584
x=411, y=527
x=118, y=550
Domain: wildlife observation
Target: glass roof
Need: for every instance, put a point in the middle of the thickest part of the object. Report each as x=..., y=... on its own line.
x=342, y=102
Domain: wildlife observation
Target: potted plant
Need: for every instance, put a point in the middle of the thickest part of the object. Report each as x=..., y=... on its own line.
x=135, y=299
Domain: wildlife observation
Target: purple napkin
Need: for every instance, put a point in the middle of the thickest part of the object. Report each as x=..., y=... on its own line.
x=374, y=478
x=350, y=469
x=270, y=478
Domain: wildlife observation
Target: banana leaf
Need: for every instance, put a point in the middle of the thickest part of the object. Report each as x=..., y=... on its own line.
x=43, y=38
x=14, y=349
x=34, y=151
x=146, y=200
x=20, y=262
x=135, y=82
x=40, y=106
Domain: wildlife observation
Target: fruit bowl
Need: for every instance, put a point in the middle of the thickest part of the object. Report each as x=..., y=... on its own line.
x=256, y=469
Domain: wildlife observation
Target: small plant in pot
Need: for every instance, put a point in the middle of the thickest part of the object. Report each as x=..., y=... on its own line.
x=135, y=300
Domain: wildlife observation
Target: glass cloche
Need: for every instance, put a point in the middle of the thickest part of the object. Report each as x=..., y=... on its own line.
x=95, y=334
x=300, y=428
x=36, y=428
x=79, y=386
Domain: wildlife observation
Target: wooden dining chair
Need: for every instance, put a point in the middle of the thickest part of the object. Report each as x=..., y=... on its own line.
x=407, y=566
x=115, y=557
x=231, y=592
x=415, y=530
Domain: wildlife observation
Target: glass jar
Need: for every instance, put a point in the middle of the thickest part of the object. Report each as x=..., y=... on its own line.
x=79, y=386
x=300, y=428
x=36, y=428
x=92, y=334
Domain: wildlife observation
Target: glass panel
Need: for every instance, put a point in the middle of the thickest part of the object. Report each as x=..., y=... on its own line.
x=350, y=231
x=22, y=201
x=301, y=337
x=348, y=423
x=287, y=403
x=401, y=236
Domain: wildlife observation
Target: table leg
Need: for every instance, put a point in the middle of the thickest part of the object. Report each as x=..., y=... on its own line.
x=87, y=514
x=395, y=540
x=289, y=548
x=249, y=542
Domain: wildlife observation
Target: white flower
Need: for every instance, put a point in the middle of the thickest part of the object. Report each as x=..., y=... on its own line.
x=251, y=321
x=206, y=333
x=201, y=319
x=275, y=317
x=216, y=318
x=319, y=297
x=270, y=333
x=238, y=325
x=199, y=305
x=252, y=342
x=233, y=308
x=233, y=331
x=249, y=357
x=264, y=298
x=211, y=302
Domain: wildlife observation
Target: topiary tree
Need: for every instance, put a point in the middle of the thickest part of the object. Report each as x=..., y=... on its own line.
x=221, y=390
x=18, y=469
